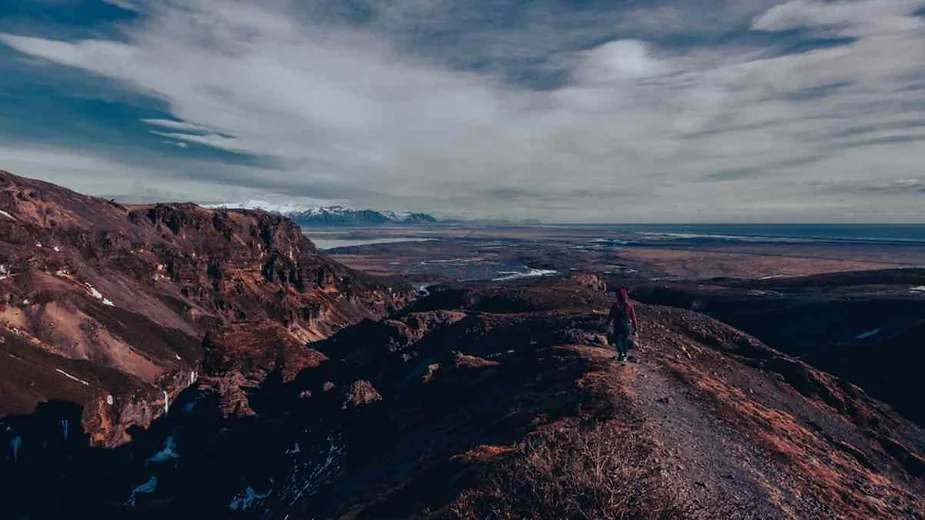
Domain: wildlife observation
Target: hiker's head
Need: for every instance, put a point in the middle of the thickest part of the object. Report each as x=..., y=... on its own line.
x=622, y=295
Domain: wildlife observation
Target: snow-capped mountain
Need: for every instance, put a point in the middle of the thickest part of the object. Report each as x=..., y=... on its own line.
x=269, y=207
x=334, y=215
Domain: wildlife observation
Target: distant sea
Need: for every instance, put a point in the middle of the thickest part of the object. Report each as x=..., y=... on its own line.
x=907, y=234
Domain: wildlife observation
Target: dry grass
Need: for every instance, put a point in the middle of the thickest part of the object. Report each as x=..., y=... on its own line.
x=601, y=473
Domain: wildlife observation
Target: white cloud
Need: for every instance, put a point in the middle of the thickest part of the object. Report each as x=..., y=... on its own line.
x=176, y=125
x=617, y=61
x=853, y=18
x=213, y=140
x=127, y=5
x=638, y=131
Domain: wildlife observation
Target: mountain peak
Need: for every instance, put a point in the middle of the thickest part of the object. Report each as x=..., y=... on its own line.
x=334, y=215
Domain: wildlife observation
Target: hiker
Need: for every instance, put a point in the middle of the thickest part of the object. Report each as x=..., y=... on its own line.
x=621, y=323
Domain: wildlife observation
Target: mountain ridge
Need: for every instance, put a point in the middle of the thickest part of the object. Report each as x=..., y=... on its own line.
x=334, y=215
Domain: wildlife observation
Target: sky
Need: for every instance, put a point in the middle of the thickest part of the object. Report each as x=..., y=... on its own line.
x=562, y=111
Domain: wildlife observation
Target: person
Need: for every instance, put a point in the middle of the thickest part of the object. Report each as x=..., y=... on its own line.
x=621, y=323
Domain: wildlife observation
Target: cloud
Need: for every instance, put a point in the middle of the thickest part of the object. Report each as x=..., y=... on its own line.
x=633, y=128
x=176, y=125
x=127, y=5
x=616, y=61
x=850, y=18
x=213, y=140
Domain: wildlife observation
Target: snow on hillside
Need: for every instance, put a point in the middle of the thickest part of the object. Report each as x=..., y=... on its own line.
x=331, y=215
x=283, y=209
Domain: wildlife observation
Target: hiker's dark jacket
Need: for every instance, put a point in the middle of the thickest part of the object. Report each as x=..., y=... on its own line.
x=623, y=315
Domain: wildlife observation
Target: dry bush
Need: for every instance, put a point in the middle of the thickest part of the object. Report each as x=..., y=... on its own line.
x=597, y=474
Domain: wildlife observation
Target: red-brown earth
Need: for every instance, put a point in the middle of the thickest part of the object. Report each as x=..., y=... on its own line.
x=106, y=305
x=504, y=402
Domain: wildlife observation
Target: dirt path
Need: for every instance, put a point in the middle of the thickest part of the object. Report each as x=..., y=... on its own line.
x=705, y=459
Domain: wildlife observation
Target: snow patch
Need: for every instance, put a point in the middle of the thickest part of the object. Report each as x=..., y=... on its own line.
x=305, y=477
x=247, y=499
x=145, y=489
x=16, y=444
x=529, y=273
x=294, y=449
x=7, y=215
x=755, y=292
x=610, y=241
x=69, y=376
x=918, y=288
x=168, y=452
x=99, y=296
x=868, y=334
x=269, y=207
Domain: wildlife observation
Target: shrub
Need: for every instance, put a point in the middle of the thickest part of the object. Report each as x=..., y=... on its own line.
x=601, y=473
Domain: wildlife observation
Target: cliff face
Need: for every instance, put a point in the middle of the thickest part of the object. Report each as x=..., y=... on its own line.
x=107, y=305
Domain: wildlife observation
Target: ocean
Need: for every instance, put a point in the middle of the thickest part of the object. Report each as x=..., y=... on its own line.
x=906, y=234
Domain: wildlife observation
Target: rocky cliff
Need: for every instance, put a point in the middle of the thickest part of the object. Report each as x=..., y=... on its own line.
x=107, y=305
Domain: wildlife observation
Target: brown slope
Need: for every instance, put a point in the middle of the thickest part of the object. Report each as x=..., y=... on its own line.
x=496, y=402
x=721, y=425
x=103, y=302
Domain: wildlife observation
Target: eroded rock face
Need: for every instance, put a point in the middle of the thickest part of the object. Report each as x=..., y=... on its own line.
x=100, y=300
x=244, y=355
x=361, y=393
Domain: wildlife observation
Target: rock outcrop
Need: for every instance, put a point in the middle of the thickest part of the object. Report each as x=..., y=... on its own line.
x=107, y=305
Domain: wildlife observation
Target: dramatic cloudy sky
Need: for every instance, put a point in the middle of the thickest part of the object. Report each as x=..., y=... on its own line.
x=580, y=110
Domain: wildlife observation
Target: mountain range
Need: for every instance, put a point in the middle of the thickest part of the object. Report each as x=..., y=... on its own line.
x=335, y=216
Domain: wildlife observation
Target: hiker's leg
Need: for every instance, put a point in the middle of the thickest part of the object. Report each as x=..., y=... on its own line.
x=622, y=344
